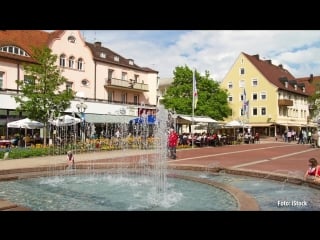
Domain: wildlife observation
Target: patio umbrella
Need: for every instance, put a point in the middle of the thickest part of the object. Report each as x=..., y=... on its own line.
x=65, y=120
x=26, y=123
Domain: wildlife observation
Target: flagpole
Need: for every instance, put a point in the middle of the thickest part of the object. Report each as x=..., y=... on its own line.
x=193, y=88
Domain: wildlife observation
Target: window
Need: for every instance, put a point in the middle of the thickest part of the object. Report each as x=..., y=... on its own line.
x=130, y=62
x=116, y=58
x=110, y=96
x=103, y=55
x=69, y=86
x=242, y=83
x=241, y=71
x=254, y=96
x=254, y=111
x=263, y=111
x=85, y=82
x=229, y=98
x=124, y=76
x=80, y=64
x=230, y=85
x=124, y=98
x=14, y=50
x=1, y=79
x=110, y=72
x=62, y=60
x=254, y=82
x=286, y=84
x=263, y=96
x=71, y=62
x=242, y=97
x=136, y=100
x=71, y=39
x=27, y=79
x=136, y=78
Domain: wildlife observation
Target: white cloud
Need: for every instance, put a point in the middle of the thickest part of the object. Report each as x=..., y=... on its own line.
x=216, y=51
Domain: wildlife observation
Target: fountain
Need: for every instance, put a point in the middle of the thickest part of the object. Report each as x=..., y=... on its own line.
x=148, y=185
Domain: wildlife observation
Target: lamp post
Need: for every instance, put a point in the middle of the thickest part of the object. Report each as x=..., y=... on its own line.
x=81, y=110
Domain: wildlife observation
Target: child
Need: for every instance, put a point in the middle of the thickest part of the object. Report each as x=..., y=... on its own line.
x=70, y=159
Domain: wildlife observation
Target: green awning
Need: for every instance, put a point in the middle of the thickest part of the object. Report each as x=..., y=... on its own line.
x=107, y=118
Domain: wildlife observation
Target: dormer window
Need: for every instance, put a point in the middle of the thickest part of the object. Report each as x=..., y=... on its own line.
x=303, y=89
x=286, y=84
x=116, y=58
x=14, y=50
x=295, y=87
x=103, y=55
x=71, y=39
x=131, y=62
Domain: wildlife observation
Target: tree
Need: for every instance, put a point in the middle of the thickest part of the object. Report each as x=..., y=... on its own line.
x=39, y=90
x=212, y=100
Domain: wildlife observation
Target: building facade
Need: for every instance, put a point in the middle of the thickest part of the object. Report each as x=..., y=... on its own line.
x=114, y=88
x=267, y=98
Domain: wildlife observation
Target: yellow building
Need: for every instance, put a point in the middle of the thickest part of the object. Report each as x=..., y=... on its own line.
x=267, y=98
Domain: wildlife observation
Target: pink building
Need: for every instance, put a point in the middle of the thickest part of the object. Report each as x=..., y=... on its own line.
x=114, y=88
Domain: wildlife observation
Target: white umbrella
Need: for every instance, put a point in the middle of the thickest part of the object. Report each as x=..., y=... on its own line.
x=25, y=123
x=65, y=120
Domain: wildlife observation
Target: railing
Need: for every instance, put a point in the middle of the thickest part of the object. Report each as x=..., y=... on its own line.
x=126, y=84
x=285, y=102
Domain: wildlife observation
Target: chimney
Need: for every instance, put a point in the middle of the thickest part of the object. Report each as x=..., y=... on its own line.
x=256, y=56
x=280, y=66
x=97, y=44
x=311, y=78
x=269, y=61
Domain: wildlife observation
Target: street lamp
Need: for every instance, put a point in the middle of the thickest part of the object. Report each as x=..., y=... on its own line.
x=81, y=110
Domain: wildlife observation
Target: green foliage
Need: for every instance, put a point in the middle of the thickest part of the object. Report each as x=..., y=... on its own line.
x=40, y=90
x=212, y=100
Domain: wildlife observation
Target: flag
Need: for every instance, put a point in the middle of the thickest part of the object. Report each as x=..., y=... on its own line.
x=195, y=91
x=244, y=95
x=246, y=108
x=244, y=102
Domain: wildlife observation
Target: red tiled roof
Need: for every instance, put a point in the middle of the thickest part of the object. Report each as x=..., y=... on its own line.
x=24, y=39
x=274, y=74
x=97, y=49
x=311, y=82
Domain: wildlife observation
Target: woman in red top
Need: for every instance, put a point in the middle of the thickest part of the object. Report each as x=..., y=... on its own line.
x=313, y=172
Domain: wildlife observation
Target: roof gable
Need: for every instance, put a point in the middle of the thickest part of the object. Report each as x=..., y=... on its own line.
x=278, y=76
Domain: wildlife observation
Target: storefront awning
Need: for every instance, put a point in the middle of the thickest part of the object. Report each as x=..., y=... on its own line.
x=260, y=124
x=104, y=118
x=196, y=119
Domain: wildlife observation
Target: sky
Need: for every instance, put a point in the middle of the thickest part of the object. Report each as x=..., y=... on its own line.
x=213, y=50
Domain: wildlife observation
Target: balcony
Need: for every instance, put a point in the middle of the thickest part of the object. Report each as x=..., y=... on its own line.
x=285, y=102
x=126, y=84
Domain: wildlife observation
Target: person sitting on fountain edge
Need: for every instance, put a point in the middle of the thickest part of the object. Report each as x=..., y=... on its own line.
x=313, y=172
x=70, y=159
x=172, y=143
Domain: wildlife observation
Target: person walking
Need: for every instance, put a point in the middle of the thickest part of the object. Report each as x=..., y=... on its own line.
x=172, y=143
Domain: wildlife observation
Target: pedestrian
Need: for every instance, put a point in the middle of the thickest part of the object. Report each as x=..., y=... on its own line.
x=70, y=159
x=172, y=143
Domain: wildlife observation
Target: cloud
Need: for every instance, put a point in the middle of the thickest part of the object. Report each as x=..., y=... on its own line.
x=214, y=50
